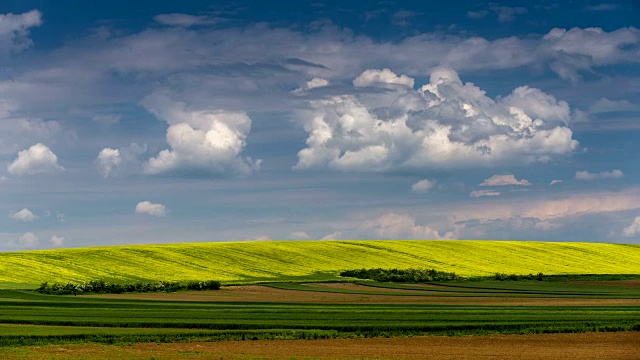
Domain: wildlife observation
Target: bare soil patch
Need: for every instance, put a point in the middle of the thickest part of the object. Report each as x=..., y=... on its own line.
x=610, y=346
x=253, y=293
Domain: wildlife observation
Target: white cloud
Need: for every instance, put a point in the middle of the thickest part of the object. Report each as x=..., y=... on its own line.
x=107, y=161
x=482, y=193
x=27, y=241
x=208, y=140
x=24, y=215
x=553, y=182
x=38, y=159
x=56, y=241
x=311, y=84
x=444, y=124
x=504, y=180
x=384, y=77
x=299, y=235
x=333, y=236
x=149, y=208
x=585, y=175
x=423, y=186
x=553, y=208
x=184, y=20
x=14, y=30
x=633, y=229
x=604, y=105
x=317, y=83
x=538, y=105
x=393, y=225
x=575, y=50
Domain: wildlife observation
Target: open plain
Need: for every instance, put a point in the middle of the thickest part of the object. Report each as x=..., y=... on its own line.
x=326, y=316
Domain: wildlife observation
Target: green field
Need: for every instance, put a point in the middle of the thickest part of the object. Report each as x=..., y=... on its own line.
x=32, y=319
x=292, y=304
x=238, y=262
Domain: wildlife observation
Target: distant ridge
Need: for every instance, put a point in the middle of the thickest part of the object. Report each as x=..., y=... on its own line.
x=238, y=262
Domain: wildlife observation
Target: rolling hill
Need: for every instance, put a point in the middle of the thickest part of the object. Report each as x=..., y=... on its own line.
x=237, y=262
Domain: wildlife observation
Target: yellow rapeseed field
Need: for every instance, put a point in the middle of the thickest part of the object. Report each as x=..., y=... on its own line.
x=289, y=260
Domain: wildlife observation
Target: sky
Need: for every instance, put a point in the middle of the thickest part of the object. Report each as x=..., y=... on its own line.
x=160, y=122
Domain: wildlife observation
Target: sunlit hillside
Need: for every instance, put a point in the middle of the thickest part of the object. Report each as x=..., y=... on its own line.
x=282, y=260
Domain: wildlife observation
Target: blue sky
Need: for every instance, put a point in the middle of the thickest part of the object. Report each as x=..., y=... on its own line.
x=155, y=122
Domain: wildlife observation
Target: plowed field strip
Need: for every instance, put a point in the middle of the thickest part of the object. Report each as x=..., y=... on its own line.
x=611, y=346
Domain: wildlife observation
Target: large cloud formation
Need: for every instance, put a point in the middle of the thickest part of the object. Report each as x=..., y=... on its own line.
x=444, y=124
x=201, y=140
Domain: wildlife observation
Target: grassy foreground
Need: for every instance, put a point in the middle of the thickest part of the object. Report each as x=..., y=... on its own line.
x=309, y=260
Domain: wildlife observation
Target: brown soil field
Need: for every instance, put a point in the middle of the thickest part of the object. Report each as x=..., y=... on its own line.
x=587, y=346
x=618, y=283
x=253, y=293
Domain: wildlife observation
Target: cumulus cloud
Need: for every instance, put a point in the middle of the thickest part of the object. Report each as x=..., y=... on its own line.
x=206, y=140
x=14, y=30
x=27, y=240
x=149, y=208
x=56, y=241
x=553, y=182
x=24, y=215
x=444, y=124
x=504, y=180
x=633, y=229
x=384, y=77
x=587, y=176
x=423, y=186
x=482, y=193
x=38, y=159
x=393, y=225
x=107, y=161
x=311, y=84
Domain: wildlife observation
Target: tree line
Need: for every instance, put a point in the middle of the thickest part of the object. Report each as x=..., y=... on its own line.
x=105, y=287
x=397, y=275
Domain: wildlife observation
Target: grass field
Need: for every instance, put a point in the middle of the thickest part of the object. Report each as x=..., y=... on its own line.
x=238, y=262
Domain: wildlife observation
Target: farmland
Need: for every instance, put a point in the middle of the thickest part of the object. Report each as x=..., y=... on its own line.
x=309, y=311
x=270, y=295
x=246, y=262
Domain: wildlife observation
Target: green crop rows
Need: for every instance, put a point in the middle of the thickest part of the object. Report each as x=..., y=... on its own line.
x=28, y=318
